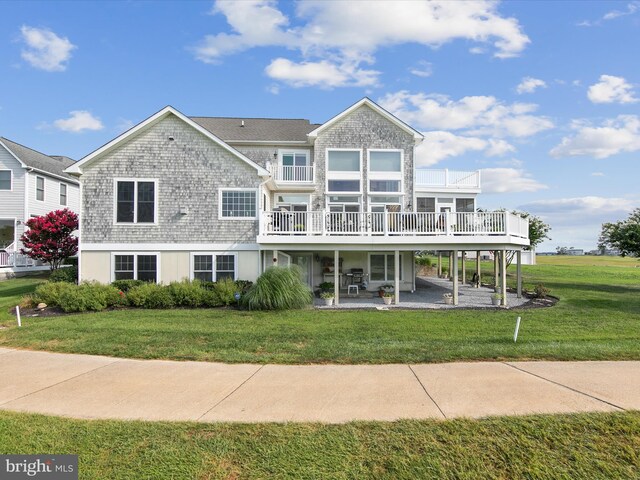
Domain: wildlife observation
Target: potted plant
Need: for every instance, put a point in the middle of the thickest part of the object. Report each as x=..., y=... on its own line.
x=445, y=271
x=328, y=298
x=387, y=298
x=496, y=298
x=448, y=298
x=384, y=289
x=326, y=287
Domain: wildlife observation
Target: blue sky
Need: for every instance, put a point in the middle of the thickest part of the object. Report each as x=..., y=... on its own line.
x=543, y=96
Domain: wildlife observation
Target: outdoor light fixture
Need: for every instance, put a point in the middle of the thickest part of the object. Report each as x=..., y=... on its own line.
x=275, y=155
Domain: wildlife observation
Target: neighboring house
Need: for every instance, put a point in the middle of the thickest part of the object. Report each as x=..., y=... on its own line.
x=209, y=198
x=31, y=184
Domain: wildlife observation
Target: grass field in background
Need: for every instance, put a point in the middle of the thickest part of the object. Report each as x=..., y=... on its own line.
x=589, y=446
x=597, y=318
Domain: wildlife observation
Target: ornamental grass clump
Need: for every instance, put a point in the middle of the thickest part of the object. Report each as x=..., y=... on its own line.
x=278, y=288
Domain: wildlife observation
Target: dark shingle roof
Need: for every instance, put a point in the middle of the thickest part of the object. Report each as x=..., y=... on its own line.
x=40, y=161
x=257, y=129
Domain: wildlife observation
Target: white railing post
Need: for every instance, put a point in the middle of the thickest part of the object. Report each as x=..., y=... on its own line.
x=324, y=223
x=385, y=223
x=507, y=225
x=447, y=223
x=446, y=177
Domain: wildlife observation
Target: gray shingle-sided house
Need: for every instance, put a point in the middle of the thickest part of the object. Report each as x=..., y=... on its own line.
x=208, y=198
x=31, y=184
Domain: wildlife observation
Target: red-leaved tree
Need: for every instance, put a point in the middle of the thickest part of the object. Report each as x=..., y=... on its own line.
x=50, y=238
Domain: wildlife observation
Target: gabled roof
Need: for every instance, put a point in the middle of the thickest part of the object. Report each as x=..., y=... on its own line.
x=152, y=120
x=276, y=130
x=377, y=108
x=30, y=158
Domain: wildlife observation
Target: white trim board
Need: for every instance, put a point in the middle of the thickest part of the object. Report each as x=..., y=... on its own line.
x=169, y=247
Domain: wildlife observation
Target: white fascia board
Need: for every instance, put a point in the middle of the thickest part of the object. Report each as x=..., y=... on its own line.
x=168, y=247
x=22, y=164
x=417, y=136
x=168, y=110
x=53, y=175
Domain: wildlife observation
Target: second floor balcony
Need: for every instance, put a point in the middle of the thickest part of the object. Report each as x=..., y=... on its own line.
x=316, y=225
x=293, y=175
x=446, y=180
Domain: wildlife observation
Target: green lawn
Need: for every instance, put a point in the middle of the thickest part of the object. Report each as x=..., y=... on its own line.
x=598, y=317
x=589, y=446
x=12, y=291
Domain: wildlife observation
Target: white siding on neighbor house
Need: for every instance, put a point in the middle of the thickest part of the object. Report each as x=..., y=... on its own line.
x=12, y=201
x=52, y=195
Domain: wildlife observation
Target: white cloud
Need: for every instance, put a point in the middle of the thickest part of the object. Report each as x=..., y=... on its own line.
x=578, y=220
x=439, y=145
x=508, y=180
x=349, y=33
x=323, y=74
x=530, y=84
x=614, y=136
x=45, y=50
x=611, y=89
x=123, y=125
x=78, y=121
x=422, y=69
x=479, y=115
x=632, y=8
x=597, y=174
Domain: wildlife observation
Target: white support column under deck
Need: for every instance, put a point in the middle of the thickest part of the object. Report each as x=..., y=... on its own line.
x=454, y=268
x=503, y=275
x=396, y=264
x=336, y=276
x=519, y=273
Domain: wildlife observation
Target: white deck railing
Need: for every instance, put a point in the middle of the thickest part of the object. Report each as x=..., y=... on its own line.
x=446, y=178
x=294, y=174
x=322, y=223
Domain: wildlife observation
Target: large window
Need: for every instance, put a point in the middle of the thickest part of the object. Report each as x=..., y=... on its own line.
x=40, y=189
x=376, y=186
x=5, y=179
x=134, y=266
x=238, y=204
x=344, y=172
x=212, y=267
x=464, y=205
x=426, y=204
x=344, y=185
x=385, y=161
x=343, y=160
x=63, y=194
x=382, y=267
x=385, y=172
x=135, y=201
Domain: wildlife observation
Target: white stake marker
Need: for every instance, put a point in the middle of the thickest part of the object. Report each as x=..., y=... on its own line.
x=18, y=315
x=515, y=335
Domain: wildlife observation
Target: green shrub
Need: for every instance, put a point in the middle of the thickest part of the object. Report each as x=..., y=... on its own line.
x=71, y=261
x=210, y=298
x=278, y=288
x=225, y=290
x=186, y=293
x=150, y=295
x=90, y=296
x=126, y=285
x=50, y=292
x=424, y=261
x=66, y=274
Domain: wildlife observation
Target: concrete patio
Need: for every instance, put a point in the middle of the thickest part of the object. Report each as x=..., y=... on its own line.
x=428, y=295
x=84, y=386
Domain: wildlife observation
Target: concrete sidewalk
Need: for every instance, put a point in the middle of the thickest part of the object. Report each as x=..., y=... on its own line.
x=84, y=386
